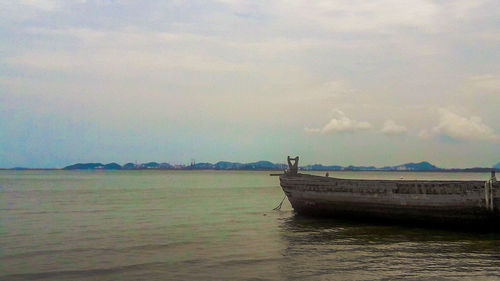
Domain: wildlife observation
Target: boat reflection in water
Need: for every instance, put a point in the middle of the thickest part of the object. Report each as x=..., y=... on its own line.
x=332, y=249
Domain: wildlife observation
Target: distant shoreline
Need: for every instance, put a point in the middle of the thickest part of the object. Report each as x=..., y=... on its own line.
x=467, y=170
x=423, y=166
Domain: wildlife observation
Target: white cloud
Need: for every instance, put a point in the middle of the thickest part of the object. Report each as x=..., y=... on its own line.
x=458, y=127
x=391, y=128
x=341, y=123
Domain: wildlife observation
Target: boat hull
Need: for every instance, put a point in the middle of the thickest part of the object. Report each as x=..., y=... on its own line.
x=451, y=202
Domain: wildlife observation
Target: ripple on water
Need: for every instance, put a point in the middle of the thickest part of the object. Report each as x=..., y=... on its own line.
x=140, y=225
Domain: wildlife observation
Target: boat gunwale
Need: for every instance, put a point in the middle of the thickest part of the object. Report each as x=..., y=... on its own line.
x=397, y=181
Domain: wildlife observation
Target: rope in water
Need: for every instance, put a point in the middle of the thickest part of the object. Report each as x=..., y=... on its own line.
x=281, y=203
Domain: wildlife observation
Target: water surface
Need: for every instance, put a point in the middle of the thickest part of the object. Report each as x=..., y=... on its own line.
x=213, y=225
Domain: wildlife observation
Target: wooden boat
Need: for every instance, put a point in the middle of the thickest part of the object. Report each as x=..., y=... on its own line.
x=440, y=201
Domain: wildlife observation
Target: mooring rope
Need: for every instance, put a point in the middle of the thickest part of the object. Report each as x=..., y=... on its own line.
x=281, y=203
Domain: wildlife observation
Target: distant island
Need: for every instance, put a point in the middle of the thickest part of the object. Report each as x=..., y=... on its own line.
x=222, y=165
x=267, y=165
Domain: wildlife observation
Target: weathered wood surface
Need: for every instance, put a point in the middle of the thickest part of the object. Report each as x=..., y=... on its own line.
x=446, y=201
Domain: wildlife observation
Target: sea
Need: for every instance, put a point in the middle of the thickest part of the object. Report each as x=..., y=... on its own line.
x=214, y=225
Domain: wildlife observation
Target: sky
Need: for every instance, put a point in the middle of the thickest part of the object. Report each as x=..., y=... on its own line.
x=344, y=82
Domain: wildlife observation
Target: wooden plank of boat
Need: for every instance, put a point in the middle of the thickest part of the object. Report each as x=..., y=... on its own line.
x=443, y=201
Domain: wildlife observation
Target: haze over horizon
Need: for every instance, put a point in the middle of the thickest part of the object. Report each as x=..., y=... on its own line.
x=336, y=82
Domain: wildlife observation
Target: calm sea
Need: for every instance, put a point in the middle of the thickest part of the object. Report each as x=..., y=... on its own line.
x=212, y=225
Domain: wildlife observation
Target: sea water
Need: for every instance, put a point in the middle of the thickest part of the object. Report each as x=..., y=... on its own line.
x=213, y=225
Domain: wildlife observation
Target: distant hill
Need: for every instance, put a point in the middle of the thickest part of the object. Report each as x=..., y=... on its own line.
x=422, y=166
x=112, y=166
x=83, y=166
x=129, y=166
x=261, y=165
x=165, y=166
x=224, y=165
x=360, y=168
x=150, y=165
x=203, y=166
x=20, y=168
x=320, y=167
x=267, y=165
x=93, y=166
x=475, y=170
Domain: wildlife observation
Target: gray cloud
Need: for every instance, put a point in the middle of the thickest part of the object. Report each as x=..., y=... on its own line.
x=489, y=82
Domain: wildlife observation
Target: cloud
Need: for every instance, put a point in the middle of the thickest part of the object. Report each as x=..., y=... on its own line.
x=488, y=82
x=360, y=16
x=195, y=63
x=341, y=123
x=131, y=51
x=489, y=35
x=457, y=127
x=45, y=5
x=336, y=87
x=378, y=16
x=41, y=5
x=124, y=62
x=425, y=134
x=391, y=128
x=128, y=51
